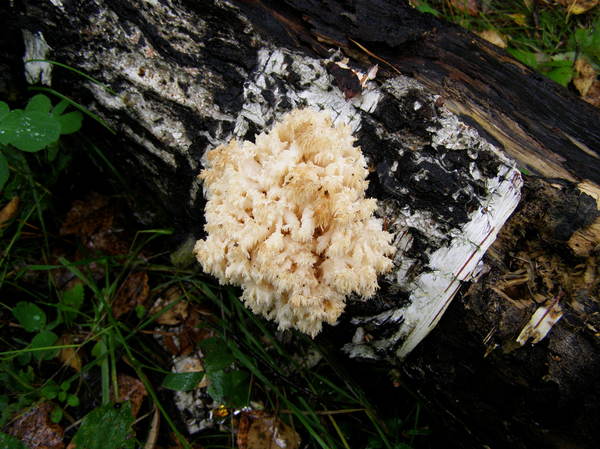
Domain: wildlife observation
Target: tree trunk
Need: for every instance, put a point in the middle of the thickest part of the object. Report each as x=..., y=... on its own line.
x=441, y=144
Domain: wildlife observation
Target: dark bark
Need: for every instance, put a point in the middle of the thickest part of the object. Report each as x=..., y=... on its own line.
x=186, y=72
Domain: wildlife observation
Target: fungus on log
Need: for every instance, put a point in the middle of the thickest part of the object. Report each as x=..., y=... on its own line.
x=437, y=146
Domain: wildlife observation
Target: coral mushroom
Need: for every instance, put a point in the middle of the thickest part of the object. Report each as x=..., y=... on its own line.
x=288, y=221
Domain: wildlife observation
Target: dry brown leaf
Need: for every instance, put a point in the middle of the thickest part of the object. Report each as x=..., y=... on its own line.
x=593, y=94
x=93, y=221
x=175, y=314
x=133, y=291
x=470, y=7
x=585, y=75
x=133, y=390
x=69, y=356
x=35, y=429
x=260, y=430
x=493, y=37
x=578, y=6
x=9, y=211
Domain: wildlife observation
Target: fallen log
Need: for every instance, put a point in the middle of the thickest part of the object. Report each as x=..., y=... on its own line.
x=443, y=146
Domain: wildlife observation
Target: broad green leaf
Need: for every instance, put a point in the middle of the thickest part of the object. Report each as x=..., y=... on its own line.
x=106, y=427
x=217, y=355
x=4, y=109
x=71, y=301
x=526, y=57
x=70, y=122
x=10, y=442
x=30, y=316
x=44, y=339
x=60, y=108
x=182, y=381
x=4, y=172
x=73, y=400
x=40, y=103
x=50, y=391
x=562, y=75
x=229, y=388
x=30, y=130
x=56, y=415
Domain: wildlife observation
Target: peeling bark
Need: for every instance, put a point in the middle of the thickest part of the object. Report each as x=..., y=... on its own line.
x=442, y=147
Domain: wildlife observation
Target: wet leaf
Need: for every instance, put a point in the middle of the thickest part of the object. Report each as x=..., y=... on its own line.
x=70, y=122
x=30, y=130
x=30, y=316
x=10, y=210
x=133, y=291
x=217, y=355
x=106, y=427
x=132, y=390
x=182, y=381
x=36, y=430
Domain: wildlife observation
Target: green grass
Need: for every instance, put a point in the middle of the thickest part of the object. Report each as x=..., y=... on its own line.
x=543, y=35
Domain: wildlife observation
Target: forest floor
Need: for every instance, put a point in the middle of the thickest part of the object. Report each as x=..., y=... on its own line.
x=108, y=327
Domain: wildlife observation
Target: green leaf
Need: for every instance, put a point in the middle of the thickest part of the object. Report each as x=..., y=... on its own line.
x=70, y=122
x=4, y=109
x=73, y=400
x=10, y=442
x=30, y=316
x=60, y=108
x=562, y=75
x=71, y=301
x=182, y=381
x=4, y=171
x=30, y=130
x=56, y=415
x=526, y=57
x=229, y=388
x=40, y=103
x=50, y=391
x=106, y=427
x=44, y=339
x=217, y=355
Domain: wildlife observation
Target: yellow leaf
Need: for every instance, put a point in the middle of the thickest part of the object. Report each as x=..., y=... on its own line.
x=493, y=37
x=578, y=6
x=519, y=19
x=9, y=211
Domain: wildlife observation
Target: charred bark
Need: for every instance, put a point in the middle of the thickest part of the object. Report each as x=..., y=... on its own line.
x=191, y=75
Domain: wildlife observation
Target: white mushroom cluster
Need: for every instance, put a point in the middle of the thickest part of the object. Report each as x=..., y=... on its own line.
x=288, y=221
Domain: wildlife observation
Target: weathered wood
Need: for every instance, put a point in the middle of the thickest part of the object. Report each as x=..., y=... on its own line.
x=191, y=75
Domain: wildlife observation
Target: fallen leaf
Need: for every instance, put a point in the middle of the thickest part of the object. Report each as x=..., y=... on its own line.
x=93, y=220
x=9, y=211
x=585, y=75
x=470, y=7
x=593, y=94
x=493, y=37
x=69, y=356
x=132, y=390
x=261, y=430
x=174, y=314
x=578, y=6
x=133, y=291
x=35, y=429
